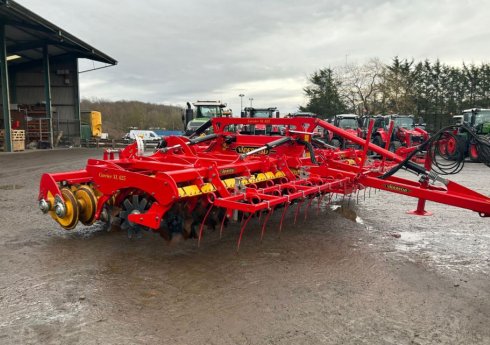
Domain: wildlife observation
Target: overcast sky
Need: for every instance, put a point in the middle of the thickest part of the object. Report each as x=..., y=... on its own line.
x=174, y=51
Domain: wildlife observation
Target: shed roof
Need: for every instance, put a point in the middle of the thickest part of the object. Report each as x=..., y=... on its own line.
x=27, y=33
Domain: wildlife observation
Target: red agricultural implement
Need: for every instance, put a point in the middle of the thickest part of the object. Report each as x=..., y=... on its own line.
x=190, y=183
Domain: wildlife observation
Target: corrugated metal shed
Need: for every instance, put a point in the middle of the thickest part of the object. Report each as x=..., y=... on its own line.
x=27, y=33
x=39, y=68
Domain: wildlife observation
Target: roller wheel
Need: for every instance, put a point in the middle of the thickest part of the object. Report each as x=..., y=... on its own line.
x=87, y=202
x=133, y=204
x=69, y=219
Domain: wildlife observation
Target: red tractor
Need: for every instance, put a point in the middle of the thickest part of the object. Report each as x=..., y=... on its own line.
x=350, y=124
x=405, y=133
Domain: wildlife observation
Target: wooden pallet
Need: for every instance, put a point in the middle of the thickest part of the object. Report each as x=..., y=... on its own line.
x=18, y=142
x=18, y=145
x=17, y=134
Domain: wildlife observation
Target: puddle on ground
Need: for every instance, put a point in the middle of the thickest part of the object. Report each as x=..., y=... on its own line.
x=11, y=186
x=347, y=212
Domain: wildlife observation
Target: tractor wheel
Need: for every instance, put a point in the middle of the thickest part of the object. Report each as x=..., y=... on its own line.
x=473, y=153
x=452, y=145
x=395, y=145
x=378, y=141
x=442, y=146
x=336, y=143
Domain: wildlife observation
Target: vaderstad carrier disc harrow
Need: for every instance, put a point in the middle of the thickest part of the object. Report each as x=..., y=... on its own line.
x=187, y=184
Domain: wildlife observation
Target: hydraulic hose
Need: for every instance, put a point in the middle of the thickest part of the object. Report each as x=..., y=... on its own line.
x=438, y=147
x=203, y=139
x=310, y=149
x=201, y=129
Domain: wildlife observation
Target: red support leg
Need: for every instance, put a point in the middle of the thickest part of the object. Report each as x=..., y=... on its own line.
x=420, y=210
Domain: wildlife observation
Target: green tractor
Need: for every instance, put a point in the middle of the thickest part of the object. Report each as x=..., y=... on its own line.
x=204, y=111
x=479, y=121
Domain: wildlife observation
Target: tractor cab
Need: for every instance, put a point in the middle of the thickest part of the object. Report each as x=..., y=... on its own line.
x=379, y=122
x=406, y=122
x=302, y=114
x=479, y=120
x=476, y=118
x=204, y=111
x=350, y=124
x=262, y=113
x=260, y=127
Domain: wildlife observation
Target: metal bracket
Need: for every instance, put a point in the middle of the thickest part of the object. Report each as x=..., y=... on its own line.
x=303, y=172
x=239, y=186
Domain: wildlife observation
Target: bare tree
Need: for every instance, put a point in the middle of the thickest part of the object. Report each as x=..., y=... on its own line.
x=360, y=85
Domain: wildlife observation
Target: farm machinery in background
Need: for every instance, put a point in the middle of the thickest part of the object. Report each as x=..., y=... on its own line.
x=319, y=133
x=396, y=133
x=350, y=124
x=187, y=184
x=260, y=113
x=204, y=110
x=91, y=125
x=405, y=133
x=470, y=128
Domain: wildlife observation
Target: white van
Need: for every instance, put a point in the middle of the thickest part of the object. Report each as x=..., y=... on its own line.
x=147, y=136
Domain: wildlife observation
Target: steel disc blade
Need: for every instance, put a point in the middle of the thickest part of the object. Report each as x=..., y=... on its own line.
x=117, y=221
x=135, y=201
x=127, y=205
x=125, y=226
x=123, y=214
x=143, y=203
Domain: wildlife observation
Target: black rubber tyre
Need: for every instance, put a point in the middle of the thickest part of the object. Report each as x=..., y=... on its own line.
x=378, y=141
x=395, y=145
x=336, y=143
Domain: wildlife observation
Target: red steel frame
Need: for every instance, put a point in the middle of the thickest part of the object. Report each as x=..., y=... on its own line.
x=160, y=175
